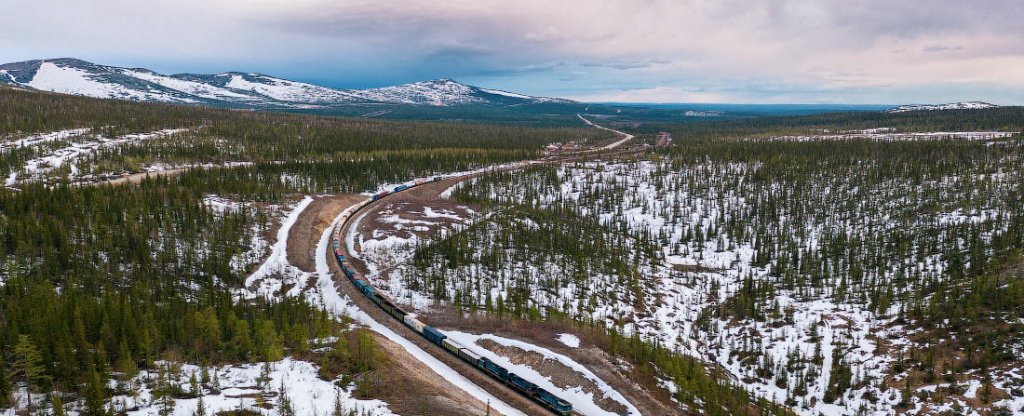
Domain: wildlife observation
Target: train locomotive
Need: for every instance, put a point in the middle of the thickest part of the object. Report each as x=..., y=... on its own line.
x=546, y=399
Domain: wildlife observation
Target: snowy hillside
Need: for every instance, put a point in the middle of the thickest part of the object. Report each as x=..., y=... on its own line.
x=969, y=105
x=237, y=89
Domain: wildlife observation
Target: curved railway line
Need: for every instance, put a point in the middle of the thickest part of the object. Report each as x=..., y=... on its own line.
x=506, y=385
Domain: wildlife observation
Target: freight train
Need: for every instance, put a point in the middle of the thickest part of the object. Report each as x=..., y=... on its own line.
x=550, y=401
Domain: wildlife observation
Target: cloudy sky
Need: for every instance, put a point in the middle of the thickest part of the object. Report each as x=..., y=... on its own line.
x=736, y=51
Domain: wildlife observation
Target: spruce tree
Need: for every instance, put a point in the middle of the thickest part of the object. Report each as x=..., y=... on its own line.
x=28, y=363
x=6, y=385
x=285, y=406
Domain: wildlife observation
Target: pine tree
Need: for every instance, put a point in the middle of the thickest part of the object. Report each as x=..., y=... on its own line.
x=95, y=397
x=28, y=363
x=6, y=385
x=194, y=390
x=338, y=409
x=200, y=408
x=58, y=405
x=285, y=407
x=264, y=378
x=163, y=391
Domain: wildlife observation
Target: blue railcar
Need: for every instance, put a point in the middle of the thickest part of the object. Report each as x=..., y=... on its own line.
x=433, y=335
x=521, y=384
x=493, y=369
x=341, y=258
x=365, y=288
x=554, y=403
x=401, y=188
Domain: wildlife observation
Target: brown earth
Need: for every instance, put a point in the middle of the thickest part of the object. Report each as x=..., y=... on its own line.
x=305, y=233
x=138, y=177
x=414, y=389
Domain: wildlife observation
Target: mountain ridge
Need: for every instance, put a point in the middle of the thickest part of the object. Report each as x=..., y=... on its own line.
x=239, y=89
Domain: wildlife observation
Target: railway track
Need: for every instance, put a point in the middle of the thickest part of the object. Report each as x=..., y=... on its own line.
x=505, y=385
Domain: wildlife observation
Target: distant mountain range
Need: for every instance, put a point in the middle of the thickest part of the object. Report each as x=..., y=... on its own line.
x=240, y=90
x=259, y=91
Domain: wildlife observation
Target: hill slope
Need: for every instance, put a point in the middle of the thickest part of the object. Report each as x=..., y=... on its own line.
x=239, y=90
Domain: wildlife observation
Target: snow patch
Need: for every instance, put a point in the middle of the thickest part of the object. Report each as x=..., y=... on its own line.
x=569, y=340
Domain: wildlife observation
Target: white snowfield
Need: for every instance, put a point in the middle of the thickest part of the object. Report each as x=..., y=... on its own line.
x=70, y=80
x=309, y=394
x=582, y=402
x=276, y=271
x=290, y=91
x=189, y=87
x=569, y=340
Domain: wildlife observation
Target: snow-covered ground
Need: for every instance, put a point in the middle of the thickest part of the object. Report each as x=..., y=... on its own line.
x=969, y=105
x=309, y=394
x=79, y=145
x=888, y=135
x=70, y=80
x=692, y=212
x=276, y=272
x=231, y=387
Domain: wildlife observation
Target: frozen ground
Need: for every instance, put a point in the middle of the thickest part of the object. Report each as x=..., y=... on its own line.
x=694, y=212
x=888, y=134
x=57, y=154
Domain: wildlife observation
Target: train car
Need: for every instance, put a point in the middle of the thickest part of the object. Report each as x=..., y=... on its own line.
x=380, y=195
x=401, y=188
x=433, y=335
x=493, y=369
x=390, y=307
x=365, y=288
x=521, y=384
x=466, y=355
x=436, y=179
x=341, y=259
x=413, y=323
x=451, y=346
x=419, y=182
x=553, y=403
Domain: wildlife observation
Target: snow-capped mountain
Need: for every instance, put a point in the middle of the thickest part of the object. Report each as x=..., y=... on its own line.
x=237, y=89
x=969, y=105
